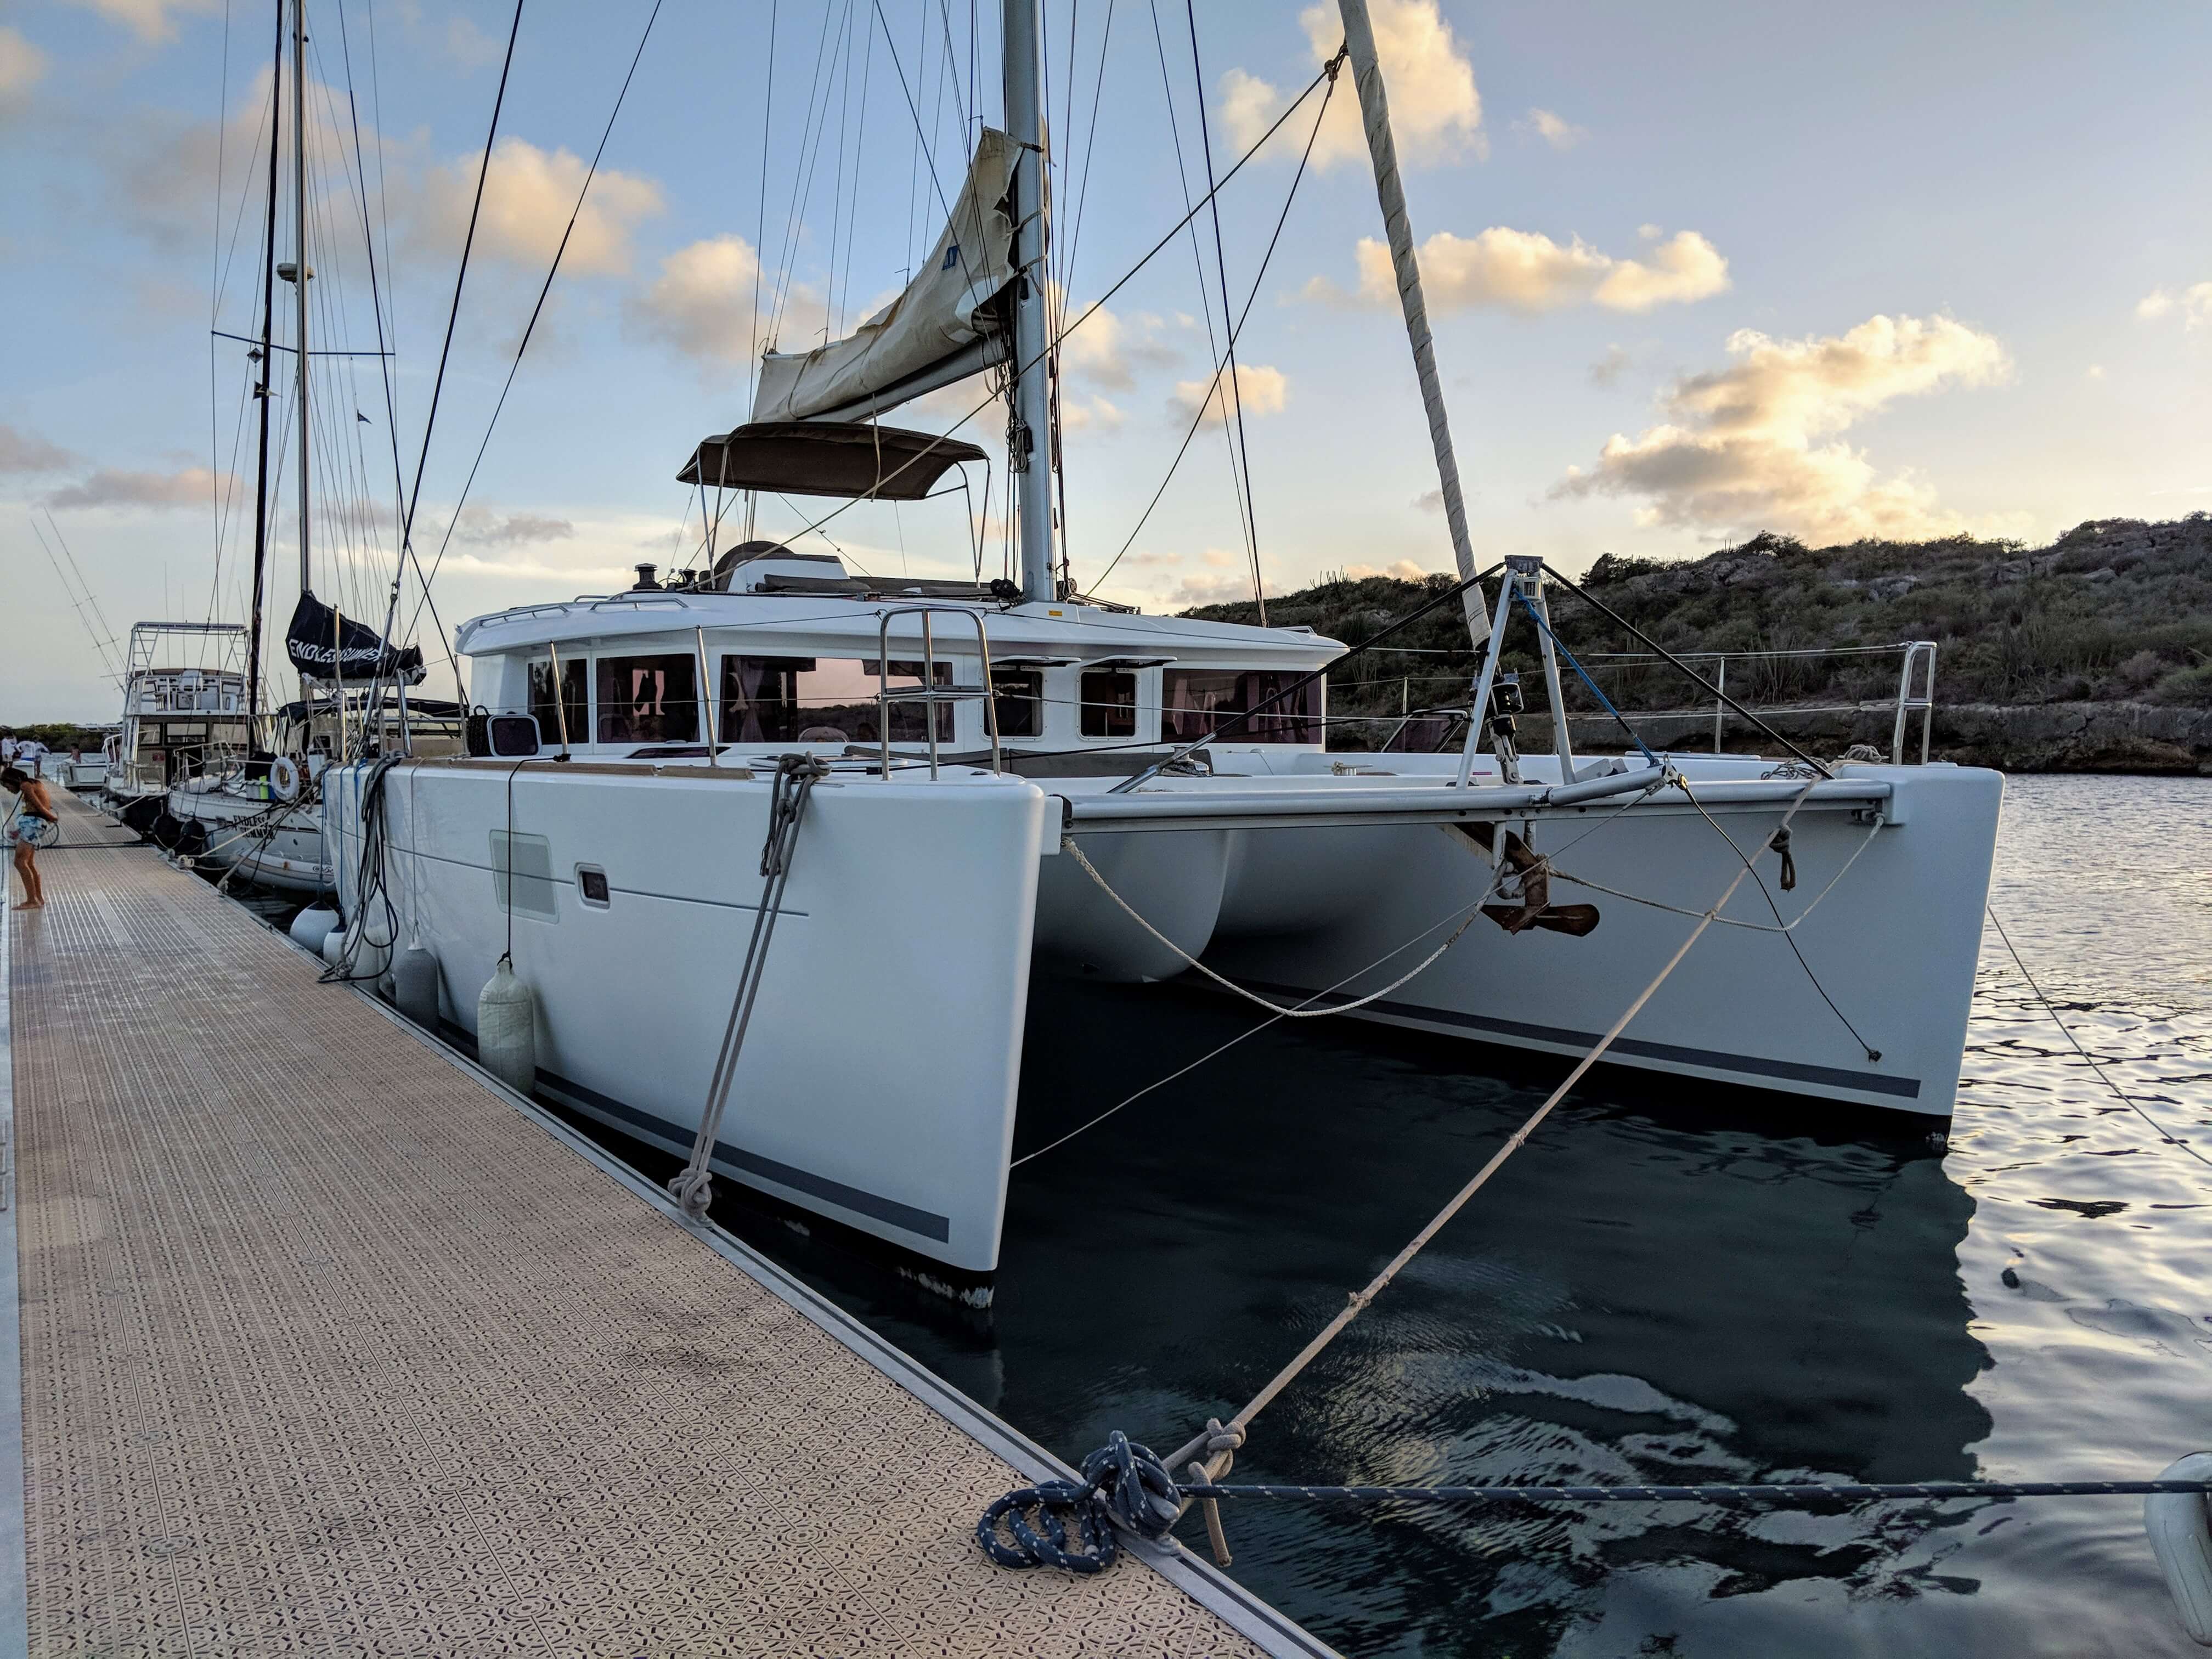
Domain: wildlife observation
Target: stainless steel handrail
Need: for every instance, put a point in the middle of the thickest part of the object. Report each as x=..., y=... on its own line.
x=931, y=694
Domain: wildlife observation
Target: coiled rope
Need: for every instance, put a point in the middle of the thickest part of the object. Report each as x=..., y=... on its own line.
x=1060, y=1523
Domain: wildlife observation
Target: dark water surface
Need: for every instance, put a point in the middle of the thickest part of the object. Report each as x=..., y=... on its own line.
x=1662, y=1286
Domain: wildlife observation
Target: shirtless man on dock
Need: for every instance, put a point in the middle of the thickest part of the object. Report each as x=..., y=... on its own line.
x=32, y=825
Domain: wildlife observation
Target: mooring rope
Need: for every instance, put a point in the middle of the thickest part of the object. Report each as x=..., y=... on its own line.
x=2087, y=1059
x=1874, y=828
x=1796, y=1495
x=1058, y=1503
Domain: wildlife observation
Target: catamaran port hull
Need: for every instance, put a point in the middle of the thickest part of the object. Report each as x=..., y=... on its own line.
x=1868, y=1008
x=876, y=1082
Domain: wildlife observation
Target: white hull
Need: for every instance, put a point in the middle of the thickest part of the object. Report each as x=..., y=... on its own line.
x=1292, y=912
x=286, y=853
x=877, y=1083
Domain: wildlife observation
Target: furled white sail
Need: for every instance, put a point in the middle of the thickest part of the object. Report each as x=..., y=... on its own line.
x=935, y=333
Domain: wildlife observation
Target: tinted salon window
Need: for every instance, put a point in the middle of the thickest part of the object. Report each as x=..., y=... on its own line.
x=647, y=699
x=1109, y=703
x=1018, y=699
x=823, y=700
x=1197, y=701
x=573, y=704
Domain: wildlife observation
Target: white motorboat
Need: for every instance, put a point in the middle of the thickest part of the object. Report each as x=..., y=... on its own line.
x=791, y=838
x=184, y=711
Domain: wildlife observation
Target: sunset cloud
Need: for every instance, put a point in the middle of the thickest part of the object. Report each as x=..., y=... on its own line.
x=1262, y=390
x=528, y=196
x=2194, y=303
x=1741, y=448
x=1527, y=272
x=1554, y=129
x=27, y=452
x=112, y=488
x=22, y=66
x=1436, y=112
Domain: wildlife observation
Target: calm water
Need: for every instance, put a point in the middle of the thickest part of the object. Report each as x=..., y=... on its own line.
x=1662, y=1286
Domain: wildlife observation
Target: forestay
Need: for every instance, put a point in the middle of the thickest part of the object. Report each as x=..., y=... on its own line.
x=940, y=330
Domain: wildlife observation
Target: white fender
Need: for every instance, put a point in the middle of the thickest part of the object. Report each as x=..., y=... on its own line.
x=284, y=778
x=312, y=925
x=507, y=1029
x=2181, y=1527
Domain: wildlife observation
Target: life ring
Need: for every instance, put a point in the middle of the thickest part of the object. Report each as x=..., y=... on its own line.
x=2181, y=1527
x=284, y=778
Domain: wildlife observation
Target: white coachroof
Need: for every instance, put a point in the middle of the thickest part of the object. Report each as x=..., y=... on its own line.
x=1062, y=631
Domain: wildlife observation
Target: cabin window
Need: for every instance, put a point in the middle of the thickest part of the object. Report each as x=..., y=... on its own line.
x=1195, y=702
x=647, y=699
x=1110, y=703
x=1017, y=700
x=823, y=700
x=574, y=703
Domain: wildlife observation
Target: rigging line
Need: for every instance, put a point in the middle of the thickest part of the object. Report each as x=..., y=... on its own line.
x=833, y=308
x=2087, y=1059
x=1699, y=680
x=1361, y=1298
x=1213, y=387
x=1444, y=920
x=760, y=213
x=383, y=198
x=1788, y=938
x=1537, y=618
x=1197, y=255
x=787, y=256
x=460, y=276
x=952, y=56
x=914, y=110
x=537, y=310
x=1090, y=311
x=1221, y=270
x=1090, y=149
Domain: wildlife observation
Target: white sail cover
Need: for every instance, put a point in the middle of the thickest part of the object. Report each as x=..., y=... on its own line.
x=886, y=360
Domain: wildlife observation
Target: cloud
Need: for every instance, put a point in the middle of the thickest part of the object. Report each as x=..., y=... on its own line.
x=1098, y=352
x=1607, y=370
x=1739, y=451
x=111, y=487
x=702, y=305
x=1077, y=412
x=1262, y=390
x=1436, y=113
x=482, y=527
x=22, y=66
x=154, y=22
x=528, y=196
x=1430, y=501
x=1554, y=129
x=27, y=452
x=1527, y=272
x=470, y=46
x=1227, y=589
x=2194, y=302
x=2094, y=372
x=1405, y=570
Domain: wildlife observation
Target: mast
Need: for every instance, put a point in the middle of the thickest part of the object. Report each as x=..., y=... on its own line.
x=261, y=392
x=300, y=273
x=1029, y=398
x=1375, y=113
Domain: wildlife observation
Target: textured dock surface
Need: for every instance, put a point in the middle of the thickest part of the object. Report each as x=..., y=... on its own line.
x=330, y=1349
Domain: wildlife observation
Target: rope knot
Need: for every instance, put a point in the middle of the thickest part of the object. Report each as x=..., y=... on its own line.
x=1060, y=1524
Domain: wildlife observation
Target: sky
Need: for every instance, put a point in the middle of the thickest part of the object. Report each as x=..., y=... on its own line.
x=1695, y=271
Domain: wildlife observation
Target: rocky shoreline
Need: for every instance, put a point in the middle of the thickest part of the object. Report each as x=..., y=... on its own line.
x=2138, y=737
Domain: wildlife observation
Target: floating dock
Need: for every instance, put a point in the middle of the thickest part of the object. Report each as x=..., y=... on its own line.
x=329, y=1344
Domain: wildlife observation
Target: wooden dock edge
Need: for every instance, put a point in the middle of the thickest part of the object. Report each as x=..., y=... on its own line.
x=15, y=1568
x=1272, y=1631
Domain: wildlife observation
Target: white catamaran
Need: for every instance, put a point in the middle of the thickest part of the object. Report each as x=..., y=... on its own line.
x=776, y=847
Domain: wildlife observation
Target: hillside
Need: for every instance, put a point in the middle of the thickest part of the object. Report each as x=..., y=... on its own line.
x=2093, y=653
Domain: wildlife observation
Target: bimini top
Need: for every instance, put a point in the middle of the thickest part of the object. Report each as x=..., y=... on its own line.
x=827, y=458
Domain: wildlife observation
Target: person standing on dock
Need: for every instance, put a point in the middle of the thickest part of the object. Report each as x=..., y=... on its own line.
x=32, y=825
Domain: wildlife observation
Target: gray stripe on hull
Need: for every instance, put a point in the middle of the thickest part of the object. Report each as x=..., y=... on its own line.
x=887, y=1210
x=1872, y=1083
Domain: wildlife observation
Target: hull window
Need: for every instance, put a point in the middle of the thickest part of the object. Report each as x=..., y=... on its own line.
x=1196, y=702
x=823, y=700
x=1109, y=703
x=647, y=699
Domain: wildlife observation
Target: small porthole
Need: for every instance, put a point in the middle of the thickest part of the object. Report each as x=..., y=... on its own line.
x=591, y=886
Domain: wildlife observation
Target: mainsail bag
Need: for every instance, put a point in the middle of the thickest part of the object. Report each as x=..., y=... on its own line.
x=326, y=645
x=939, y=329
